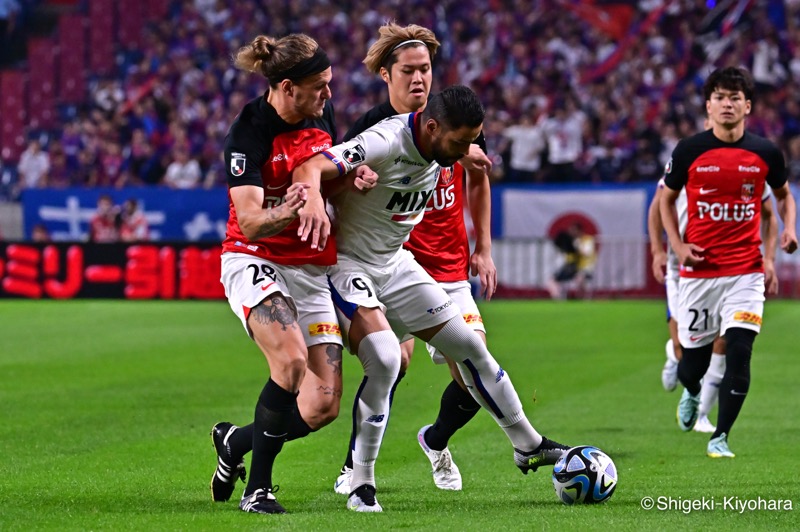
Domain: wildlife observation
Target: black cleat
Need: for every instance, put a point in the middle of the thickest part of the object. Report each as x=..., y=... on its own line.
x=362, y=499
x=547, y=453
x=229, y=468
x=262, y=501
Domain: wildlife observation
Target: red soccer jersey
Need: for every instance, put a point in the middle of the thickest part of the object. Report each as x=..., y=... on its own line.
x=439, y=242
x=724, y=188
x=103, y=229
x=263, y=150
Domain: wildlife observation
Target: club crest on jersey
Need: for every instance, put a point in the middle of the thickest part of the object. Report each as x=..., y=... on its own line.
x=238, y=162
x=354, y=155
x=668, y=167
x=748, y=190
x=446, y=175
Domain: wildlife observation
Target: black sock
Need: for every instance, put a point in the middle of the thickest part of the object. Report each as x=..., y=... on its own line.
x=273, y=416
x=298, y=428
x=457, y=407
x=394, y=386
x=348, y=461
x=736, y=381
x=241, y=441
x=693, y=365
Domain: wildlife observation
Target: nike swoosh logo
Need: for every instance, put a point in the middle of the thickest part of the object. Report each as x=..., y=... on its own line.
x=734, y=392
x=276, y=188
x=268, y=435
x=707, y=190
x=696, y=338
x=263, y=288
x=338, y=483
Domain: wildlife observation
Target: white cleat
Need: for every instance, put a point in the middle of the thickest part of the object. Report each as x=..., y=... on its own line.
x=704, y=425
x=669, y=375
x=446, y=475
x=363, y=500
x=342, y=484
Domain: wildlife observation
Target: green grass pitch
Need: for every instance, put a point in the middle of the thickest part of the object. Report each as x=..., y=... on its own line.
x=105, y=409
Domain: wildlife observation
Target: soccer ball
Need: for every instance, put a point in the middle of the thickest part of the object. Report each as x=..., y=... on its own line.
x=584, y=474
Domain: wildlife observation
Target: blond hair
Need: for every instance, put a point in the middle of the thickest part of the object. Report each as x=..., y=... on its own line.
x=269, y=56
x=392, y=38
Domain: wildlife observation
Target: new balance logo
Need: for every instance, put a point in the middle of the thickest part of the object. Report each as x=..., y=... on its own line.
x=375, y=418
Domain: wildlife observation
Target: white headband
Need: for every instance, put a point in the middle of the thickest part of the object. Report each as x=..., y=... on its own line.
x=410, y=41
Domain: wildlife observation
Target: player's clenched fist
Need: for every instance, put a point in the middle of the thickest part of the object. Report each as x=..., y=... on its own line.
x=365, y=179
x=296, y=196
x=789, y=242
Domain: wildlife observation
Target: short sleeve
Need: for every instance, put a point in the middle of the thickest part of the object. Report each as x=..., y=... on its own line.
x=369, y=147
x=676, y=172
x=244, y=157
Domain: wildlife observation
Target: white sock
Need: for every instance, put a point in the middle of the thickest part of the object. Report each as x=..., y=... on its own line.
x=379, y=353
x=709, y=392
x=487, y=382
x=671, y=351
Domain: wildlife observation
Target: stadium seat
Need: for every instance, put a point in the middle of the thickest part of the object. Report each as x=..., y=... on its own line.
x=13, y=111
x=102, y=14
x=72, y=60
x=130, y=23
x=41, y=89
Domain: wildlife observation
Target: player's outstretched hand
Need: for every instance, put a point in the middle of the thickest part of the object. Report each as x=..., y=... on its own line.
x=296, y=196
x=482, y=265
x=788, y=241
x=690, y=254
x=659, y=266
x=314, y=222
x=365, y=179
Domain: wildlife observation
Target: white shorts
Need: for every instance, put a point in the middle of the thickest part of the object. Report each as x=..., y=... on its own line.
x=672, y=297
x=710, y=306
x=410, y=298
x=461, y=293
x=248, y=280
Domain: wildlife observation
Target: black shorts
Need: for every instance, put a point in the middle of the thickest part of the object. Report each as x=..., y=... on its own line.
x=567, y=272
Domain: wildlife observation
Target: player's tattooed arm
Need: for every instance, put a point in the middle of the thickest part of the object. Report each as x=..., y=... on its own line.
x=255, y=220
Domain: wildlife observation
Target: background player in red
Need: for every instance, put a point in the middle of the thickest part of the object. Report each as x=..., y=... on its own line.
x=402, y=56
x=133, y=226
x=103, y=226
x=276, y=283
x=724, y=171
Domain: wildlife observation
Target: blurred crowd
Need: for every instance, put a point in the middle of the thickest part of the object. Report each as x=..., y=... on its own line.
x=574, y=91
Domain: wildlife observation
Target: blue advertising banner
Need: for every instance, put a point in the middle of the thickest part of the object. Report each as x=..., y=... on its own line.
x=172, y=215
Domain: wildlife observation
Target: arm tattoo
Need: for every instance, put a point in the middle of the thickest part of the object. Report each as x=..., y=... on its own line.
x=334, y=353
x=274, y=222
x=275, y=309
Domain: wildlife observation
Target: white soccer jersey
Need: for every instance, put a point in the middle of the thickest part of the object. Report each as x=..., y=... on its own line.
x=373, y=226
